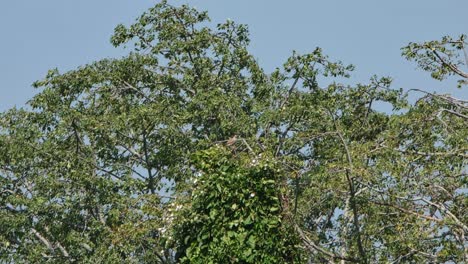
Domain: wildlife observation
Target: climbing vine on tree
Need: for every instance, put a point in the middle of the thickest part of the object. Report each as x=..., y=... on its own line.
x=186, y=150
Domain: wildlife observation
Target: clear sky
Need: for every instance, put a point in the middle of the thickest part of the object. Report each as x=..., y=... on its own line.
x=40, y=35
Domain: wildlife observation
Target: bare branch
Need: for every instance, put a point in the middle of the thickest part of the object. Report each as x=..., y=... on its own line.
x=452, y=67
x=453, y=153
x=408, y=211
x=444, y=209
x=44, y=240
x=454, y=113
x=313, y=247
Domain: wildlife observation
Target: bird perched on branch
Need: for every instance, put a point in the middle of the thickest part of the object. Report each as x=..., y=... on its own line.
x=232, y=141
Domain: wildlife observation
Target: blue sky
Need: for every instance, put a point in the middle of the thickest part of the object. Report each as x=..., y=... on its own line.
x=40, y=35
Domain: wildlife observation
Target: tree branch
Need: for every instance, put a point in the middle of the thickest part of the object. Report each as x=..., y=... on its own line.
x=314, y=247
x=450, y=65
x=408, y=211
x=352, y=200
x=44, y=240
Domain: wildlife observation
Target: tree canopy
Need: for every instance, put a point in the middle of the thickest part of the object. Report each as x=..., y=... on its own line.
x=187, y=151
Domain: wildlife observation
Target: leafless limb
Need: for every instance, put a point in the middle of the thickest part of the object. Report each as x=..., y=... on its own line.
x=452, y=67
x=454, y=113
x=44, y=240
x=459, y=152
x=401, y=209
x=49, y=244
x=313, y=247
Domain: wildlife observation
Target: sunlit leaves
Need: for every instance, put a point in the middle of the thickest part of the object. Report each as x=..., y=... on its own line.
x=186, y=150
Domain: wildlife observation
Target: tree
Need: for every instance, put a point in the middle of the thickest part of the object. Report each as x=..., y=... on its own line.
x=127, y=159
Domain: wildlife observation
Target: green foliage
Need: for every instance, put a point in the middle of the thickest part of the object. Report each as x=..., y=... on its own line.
x=235, y=213
x=440, y=58
x=186, y=150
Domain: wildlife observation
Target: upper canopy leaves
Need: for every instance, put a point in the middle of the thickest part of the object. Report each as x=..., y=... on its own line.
x=103, y=169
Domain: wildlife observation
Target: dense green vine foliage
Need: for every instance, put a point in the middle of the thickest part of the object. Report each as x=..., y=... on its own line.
x=187, y=151
x=235, y=212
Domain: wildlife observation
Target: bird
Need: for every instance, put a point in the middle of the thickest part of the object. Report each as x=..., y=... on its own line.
x=232, y=140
